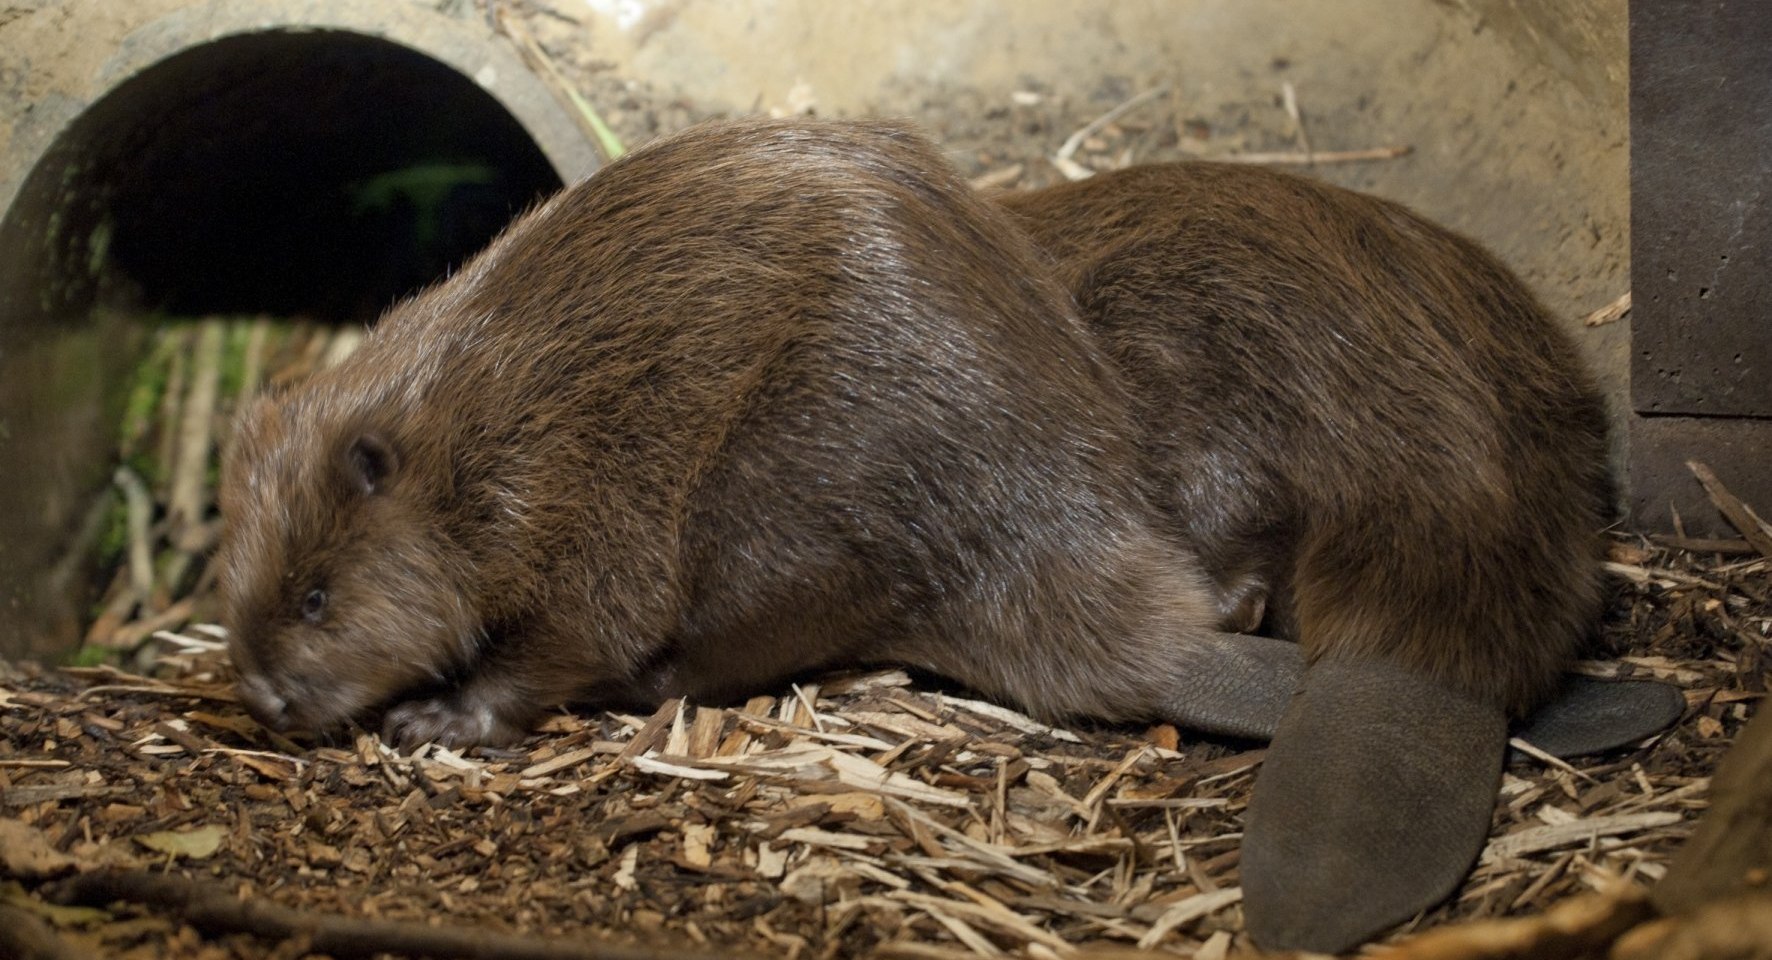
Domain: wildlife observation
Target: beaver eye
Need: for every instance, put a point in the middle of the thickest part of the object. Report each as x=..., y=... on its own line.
x=313, y=606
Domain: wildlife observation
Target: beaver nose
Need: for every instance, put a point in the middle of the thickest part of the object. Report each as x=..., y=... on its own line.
x=265, y=704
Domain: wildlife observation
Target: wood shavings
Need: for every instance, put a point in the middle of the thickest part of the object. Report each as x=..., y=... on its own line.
x=860, y=815
x=1552, y=836
x=664, y=768
x=1187, y=911
x=1610, y=313
x=1010, y=718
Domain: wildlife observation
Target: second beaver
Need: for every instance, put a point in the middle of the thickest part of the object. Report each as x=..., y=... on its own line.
x=1378, y=444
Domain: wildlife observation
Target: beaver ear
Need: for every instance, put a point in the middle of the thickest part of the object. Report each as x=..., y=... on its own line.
x=370, y=462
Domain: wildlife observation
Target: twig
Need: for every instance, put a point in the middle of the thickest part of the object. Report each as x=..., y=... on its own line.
x=1547, y=759
x=1289, y=97
x=1002, y=177
x=132, y=635
x=25, y=937
x=1739, y=514
x=538, y=59
x=1327, y=156
x=1730, y=548
x=188, y=498
x=1062, y=159
x=1664, y=576
x=1549, y=837
x=155, y=689
x=214, y=911
x=1610, y=312
x=140, y=512
x=115, y=608
x=1187, y=911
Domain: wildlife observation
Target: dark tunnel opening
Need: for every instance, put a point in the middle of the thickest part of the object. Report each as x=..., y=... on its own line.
x=318, y=173
x=312, y=174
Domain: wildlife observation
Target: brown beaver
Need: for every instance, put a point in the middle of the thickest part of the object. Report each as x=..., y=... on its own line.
x=1374, y=440
x=770, y=396
x=759, y=398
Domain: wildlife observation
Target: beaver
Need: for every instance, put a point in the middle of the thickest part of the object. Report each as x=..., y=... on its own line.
x=1376, y=443
x=760, y=398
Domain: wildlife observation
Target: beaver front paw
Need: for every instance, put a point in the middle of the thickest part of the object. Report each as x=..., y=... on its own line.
x=449, y=720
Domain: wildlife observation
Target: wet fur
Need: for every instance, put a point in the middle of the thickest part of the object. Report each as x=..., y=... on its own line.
x=1347, y=410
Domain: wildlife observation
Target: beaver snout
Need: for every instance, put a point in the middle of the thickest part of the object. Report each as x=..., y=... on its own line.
x=265, y=704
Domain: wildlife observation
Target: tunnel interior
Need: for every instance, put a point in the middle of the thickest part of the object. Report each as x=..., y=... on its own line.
x=313, y=174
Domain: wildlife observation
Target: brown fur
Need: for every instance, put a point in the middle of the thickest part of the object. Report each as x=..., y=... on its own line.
x=1348, y=411
x=762, y=397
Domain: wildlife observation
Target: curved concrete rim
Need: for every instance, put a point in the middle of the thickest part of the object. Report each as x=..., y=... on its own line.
x=466, y=46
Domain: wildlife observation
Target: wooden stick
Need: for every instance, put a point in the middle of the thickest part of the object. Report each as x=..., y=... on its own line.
x=140, y=511
x=132, y=635
x=1737, y=513
x=214, y=911
x=188, y=500
x=1062, y=159
x=1609, y=313
x=1323, y=156
x=115, y=609
x=587, y=116
x=1289, y=98
x=996, y=178
x=1728, y=548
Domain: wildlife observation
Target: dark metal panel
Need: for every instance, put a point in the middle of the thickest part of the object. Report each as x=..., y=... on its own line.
x=1701, y=206
x=1661, y=483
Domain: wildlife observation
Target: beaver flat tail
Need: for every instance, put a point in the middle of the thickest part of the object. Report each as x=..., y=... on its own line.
x=1372, y=804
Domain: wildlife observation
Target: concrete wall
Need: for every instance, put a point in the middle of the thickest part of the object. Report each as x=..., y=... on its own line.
x=1516, y=109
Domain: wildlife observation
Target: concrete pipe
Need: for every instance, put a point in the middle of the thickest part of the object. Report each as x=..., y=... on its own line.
x=214, y=157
